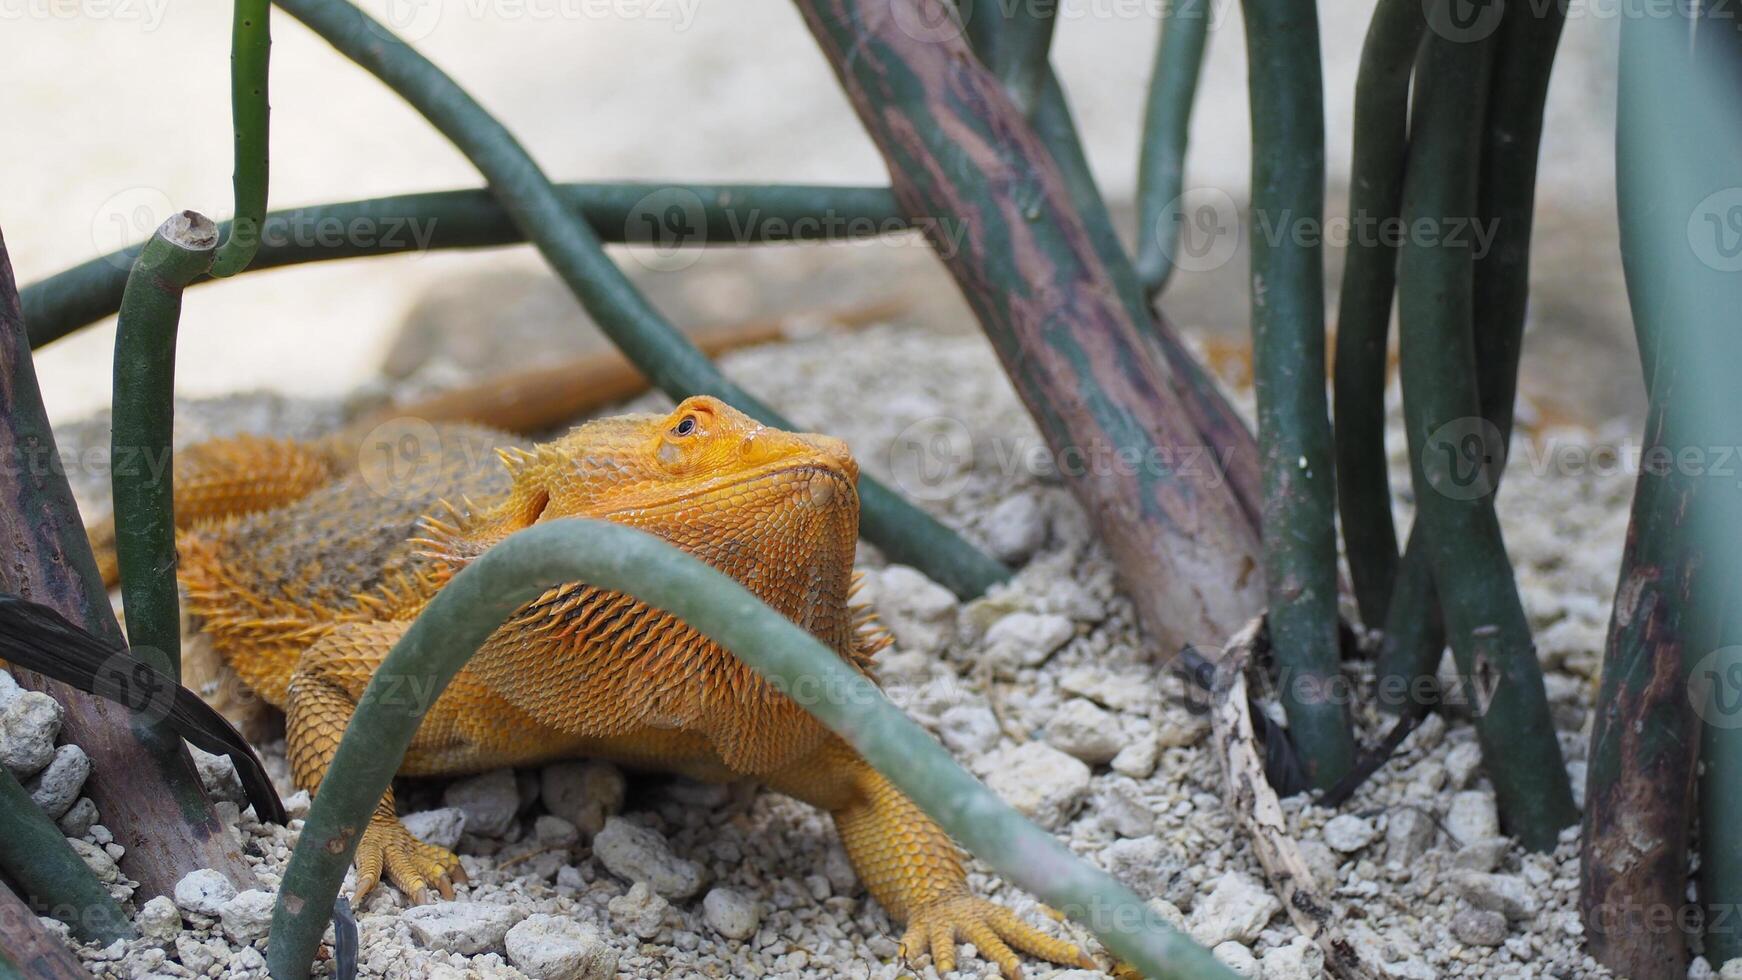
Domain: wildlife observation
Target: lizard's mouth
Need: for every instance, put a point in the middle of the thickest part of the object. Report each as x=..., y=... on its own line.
x=815, y=484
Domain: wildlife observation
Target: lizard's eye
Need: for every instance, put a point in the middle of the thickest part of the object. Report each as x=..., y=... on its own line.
x=685, y=427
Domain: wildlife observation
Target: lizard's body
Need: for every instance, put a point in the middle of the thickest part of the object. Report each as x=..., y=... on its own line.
x=343, y=545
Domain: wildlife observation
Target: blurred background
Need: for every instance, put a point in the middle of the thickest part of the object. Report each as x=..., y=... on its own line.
x=124, y=112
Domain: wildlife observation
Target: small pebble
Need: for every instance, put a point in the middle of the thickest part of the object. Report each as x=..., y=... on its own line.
x=1479, y=927
x=1348, y=833
x=731, y=914
x=204, y=891
x=1042, y=783
x=159, y=920
x=640, y=911
x=637, y=854
x=555, y=947
x=489, y=800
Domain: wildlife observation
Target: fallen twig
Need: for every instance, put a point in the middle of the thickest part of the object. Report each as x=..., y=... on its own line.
x=1259, y=813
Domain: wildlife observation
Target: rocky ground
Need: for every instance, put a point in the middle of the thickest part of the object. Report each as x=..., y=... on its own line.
x=1043, y=687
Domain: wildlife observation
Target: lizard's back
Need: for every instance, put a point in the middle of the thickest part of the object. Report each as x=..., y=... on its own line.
x=271, y=583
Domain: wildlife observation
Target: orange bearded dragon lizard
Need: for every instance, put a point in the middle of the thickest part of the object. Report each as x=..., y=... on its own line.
x=305, y=561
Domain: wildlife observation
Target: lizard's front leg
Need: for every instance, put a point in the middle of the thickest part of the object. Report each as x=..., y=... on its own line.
x=913, y=868
x=323, y=696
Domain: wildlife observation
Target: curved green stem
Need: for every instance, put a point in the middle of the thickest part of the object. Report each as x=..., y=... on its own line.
x=250, y=113
x=34, y=854
x=1506, y=201
x=1288, y=358
x=1167, y=118
x=622, y=559
x=905, y=533
x=1453, y=479
x=144, y=418
x=723, y=214
x=1364, y=305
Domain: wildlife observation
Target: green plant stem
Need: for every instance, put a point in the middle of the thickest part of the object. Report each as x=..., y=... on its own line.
x=26, y=942
x=1364, y=304
x=730, y=214
x=1222, y=432
x=1020, y=56
x=1506, y=200
x=1415, y=631
x=1677, y=142
x=144, y=420
x=250, y=114
x=623, y=559
x=1645, y=736
x=1033, y=275
x=1288, y=356
x=146, y=787
x=1484, y=616
x=905, y=533
x=1167, y=117
x=35, y=854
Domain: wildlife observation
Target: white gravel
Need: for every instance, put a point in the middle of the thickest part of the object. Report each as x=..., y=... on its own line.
x=1044, y=687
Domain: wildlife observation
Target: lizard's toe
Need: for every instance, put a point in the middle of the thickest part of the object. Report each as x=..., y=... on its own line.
x=409, y=864
x=993, y=929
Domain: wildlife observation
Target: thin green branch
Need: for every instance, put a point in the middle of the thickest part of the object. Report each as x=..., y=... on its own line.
x=905, y=533
x=144, y=419
x=631, y=212
x=34, y=854
x=622, y=559
x=250, y=114
x=1506, y=200
x=1364, y=304
x=1020, y=55
x=1288, y=357
x=1167, y=118
x=1453, y=474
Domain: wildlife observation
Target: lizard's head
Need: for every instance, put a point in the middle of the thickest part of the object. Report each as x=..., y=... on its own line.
x=777, y=510
x=703, y=456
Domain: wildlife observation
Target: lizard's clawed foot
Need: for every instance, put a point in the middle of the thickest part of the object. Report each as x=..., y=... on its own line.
x=412, y=866
x=994, y=930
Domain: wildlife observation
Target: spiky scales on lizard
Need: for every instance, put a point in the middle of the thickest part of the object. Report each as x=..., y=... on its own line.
x=305, y=561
